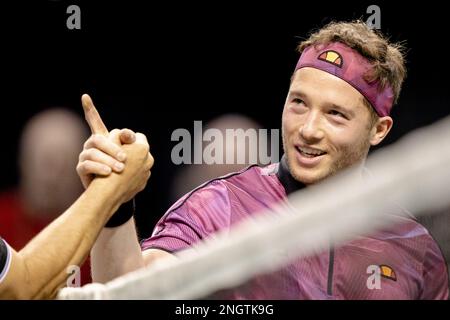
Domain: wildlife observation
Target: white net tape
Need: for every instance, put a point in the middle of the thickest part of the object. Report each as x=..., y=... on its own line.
x=414, y=173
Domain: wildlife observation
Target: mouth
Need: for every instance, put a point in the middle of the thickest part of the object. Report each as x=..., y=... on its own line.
x=310, y=152
x=308, y=156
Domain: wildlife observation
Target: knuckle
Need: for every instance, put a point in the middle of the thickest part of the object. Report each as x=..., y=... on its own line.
x=80, y=168
x=87, y=143
x=96, y=139
x=148, y=165
x=146, y=147
x=89, y=153
x=141, y=136
x=85, y=155
x=93, y=168
x=151, y=159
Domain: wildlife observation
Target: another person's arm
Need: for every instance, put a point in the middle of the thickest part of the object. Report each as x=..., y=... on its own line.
x=39, y=269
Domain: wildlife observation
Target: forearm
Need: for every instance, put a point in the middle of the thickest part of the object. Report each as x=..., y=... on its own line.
x=116, y=252
x=67, y=240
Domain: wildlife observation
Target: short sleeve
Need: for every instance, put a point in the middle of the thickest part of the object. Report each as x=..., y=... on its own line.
x=192, y=219
x=435, y=276
x=174, y=232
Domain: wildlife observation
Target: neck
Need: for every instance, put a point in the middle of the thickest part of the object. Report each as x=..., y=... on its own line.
x=287, y=180
x=290, y=184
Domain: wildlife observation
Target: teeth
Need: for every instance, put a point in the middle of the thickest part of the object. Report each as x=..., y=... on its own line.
x=311, y=152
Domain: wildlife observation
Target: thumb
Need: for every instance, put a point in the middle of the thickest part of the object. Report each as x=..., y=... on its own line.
x=114, y=136
x=127, y=136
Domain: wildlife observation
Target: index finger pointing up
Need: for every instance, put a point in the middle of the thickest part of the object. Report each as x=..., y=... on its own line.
x=92, y=117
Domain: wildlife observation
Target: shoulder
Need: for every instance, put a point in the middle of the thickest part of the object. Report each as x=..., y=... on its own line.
x=218, y=189
x=415, y=240
x=212, y=202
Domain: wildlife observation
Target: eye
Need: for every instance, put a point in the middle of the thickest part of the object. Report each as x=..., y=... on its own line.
x=337, y=113
x=297, y=101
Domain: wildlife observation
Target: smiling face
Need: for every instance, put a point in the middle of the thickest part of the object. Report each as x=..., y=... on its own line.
x=326, y=126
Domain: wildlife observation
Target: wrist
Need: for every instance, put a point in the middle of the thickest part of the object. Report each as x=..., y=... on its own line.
x=123, y=214
x=107, y=193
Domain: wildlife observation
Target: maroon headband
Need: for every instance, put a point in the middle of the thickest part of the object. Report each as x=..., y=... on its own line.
x=347, y=64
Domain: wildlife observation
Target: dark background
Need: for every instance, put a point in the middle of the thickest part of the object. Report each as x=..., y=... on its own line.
x=155, y=67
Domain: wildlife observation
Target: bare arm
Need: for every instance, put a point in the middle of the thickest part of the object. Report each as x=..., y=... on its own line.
x=39, y=269
x=117, y=252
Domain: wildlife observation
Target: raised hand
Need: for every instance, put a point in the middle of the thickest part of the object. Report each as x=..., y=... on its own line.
x=109, y=152
x=102, y=152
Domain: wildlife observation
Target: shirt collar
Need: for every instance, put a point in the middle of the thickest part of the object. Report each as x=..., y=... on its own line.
x=286, y=179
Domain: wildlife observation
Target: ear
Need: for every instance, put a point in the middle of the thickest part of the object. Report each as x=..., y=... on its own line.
x=380, y=130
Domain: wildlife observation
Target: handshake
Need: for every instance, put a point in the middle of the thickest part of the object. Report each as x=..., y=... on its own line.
x=113, y=167
x=120, y=158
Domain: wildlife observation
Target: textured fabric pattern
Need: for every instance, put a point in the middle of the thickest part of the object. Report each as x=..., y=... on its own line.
x=405, y=258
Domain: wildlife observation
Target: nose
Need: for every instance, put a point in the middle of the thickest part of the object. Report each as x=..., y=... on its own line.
x=311, y=129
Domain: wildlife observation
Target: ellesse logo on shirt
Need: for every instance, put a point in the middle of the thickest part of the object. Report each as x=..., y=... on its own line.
x=376, y=272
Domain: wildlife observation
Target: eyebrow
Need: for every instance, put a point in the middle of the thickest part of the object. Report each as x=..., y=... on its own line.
x=331, y=105
x=297, y=93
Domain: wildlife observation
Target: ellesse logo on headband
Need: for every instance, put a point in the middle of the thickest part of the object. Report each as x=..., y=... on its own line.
x=332, y=57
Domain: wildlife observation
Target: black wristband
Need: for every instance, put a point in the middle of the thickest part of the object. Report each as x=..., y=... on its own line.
x=122, y=215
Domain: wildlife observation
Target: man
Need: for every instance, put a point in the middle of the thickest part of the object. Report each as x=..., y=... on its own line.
x=40, y=268
x=344, y=86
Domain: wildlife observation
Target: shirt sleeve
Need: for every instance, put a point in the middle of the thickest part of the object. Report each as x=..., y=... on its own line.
x=5, y=259
x=174, y=232
x=435, y=275
x=191, y=219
